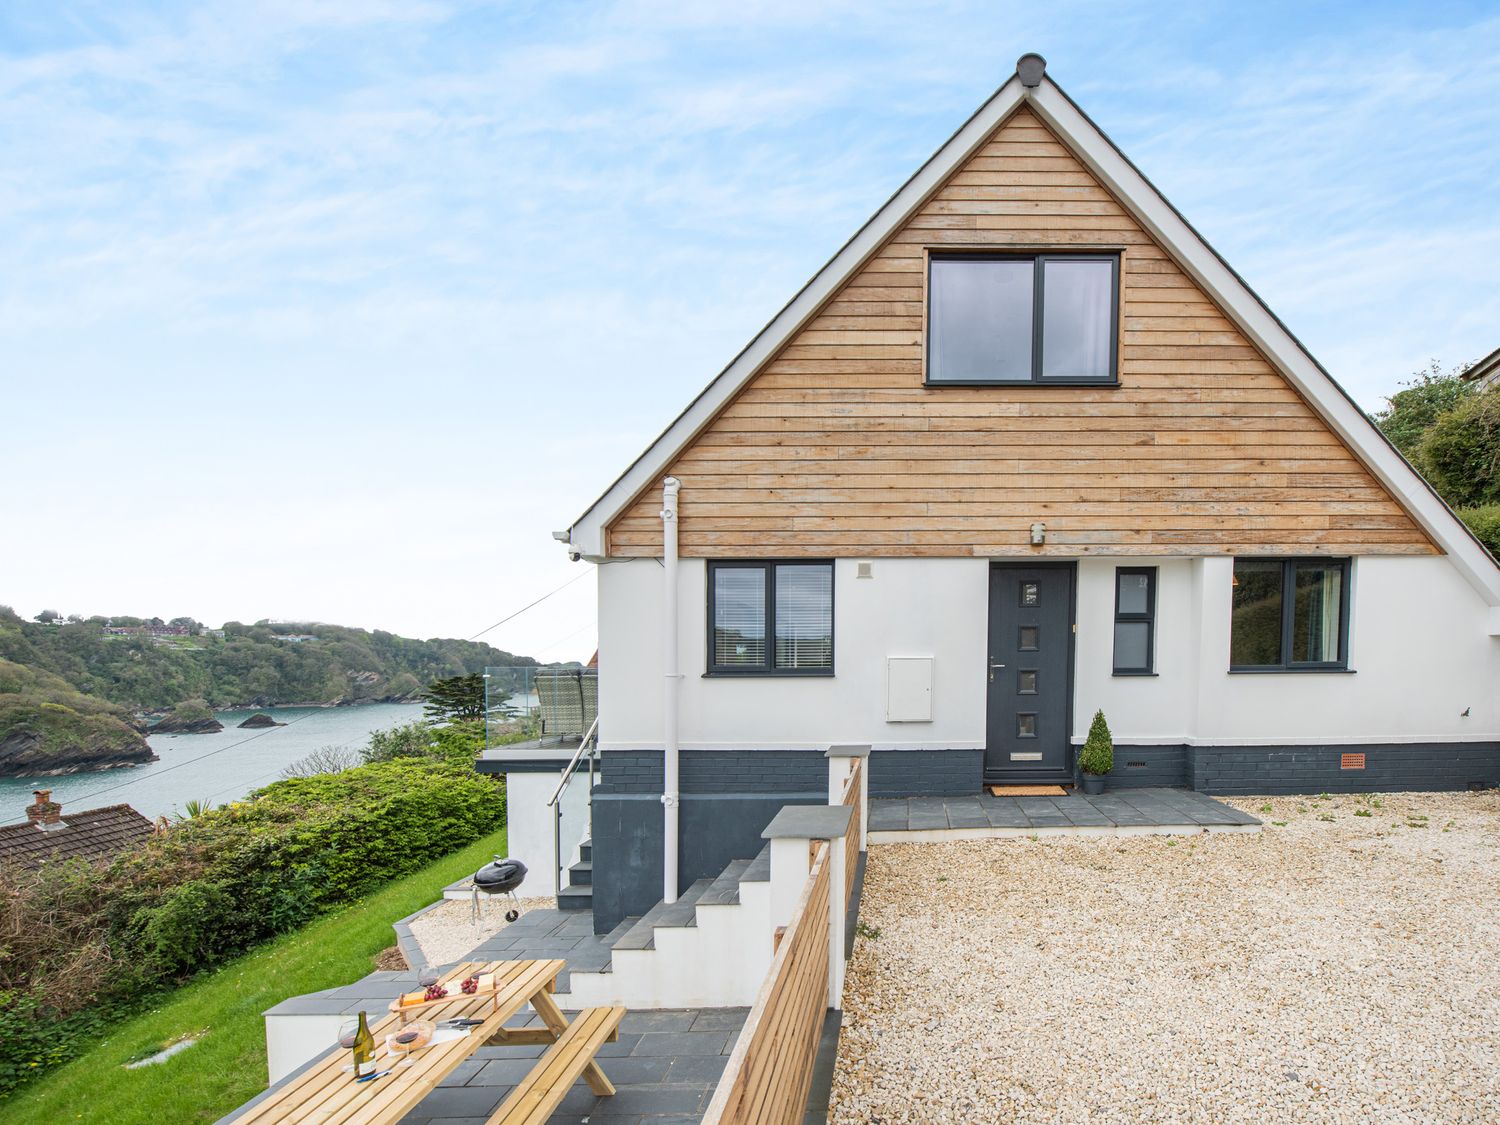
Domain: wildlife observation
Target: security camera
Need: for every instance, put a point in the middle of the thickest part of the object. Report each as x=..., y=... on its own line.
x=574, y=556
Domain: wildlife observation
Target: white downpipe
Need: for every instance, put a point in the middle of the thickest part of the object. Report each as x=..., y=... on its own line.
x=669, y=798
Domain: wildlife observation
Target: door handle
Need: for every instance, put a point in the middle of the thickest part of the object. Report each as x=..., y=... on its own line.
x=993, y=668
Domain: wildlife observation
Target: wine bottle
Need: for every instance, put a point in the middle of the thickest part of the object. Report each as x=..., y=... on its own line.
x=364, y=1049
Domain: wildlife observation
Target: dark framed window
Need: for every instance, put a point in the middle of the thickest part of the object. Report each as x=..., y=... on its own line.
x=770, y=618
x=1022, y=318
x=1135, y=620
x=1289, y=615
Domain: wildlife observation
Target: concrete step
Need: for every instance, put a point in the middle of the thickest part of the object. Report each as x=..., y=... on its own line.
x=575, y=898
x=581, y=874
x=725, y=890
x=642, y=935
x=759, y=870
x=586, y=850
x=684, y=912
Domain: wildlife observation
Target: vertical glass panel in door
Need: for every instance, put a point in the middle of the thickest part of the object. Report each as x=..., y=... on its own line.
x=740, y=617
x=1255, y=621
x=1316, y=614
x=979, y=320
x=804, y=616
x=1077, y=319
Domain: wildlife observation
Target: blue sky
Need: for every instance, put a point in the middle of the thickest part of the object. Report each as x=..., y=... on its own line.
x=336, y=309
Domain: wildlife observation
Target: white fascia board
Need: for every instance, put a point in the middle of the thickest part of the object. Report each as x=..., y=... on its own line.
x=587, y=533
x=1257, y=322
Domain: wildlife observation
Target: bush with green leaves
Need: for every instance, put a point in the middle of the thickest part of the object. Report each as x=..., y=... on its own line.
x=1485, y=524
x=1460, y=452
x=78, y=937
x=1098, y=753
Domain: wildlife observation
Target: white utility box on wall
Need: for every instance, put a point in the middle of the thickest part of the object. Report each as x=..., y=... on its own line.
x=908, y=689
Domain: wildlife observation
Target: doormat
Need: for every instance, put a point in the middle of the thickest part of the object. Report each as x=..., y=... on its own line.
x=1027, y=791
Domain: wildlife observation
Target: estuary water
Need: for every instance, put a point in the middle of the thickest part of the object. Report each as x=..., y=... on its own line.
x=217, y=767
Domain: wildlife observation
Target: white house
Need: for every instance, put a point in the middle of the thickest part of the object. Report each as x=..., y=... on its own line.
x=1024, y=449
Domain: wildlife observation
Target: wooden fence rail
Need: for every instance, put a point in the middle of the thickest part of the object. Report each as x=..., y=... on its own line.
x=851, y=842
x=769, y=1073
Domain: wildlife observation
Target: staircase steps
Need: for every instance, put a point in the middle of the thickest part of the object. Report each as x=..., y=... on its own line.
x=680, y=913
x=709, y=948
x=579, y=893
x=759, y=870
x=725, y=890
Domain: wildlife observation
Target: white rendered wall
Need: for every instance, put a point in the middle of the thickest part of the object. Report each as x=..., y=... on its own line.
x=1419, y=652
x=1419, y=644
x=528, y=825
x=908, y=607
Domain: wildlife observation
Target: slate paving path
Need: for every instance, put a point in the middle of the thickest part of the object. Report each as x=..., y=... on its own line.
x=1119, y=808
x=664, y=1067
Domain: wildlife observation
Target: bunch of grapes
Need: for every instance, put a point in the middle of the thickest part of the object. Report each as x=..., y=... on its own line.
x=470, y=986
x=435, y=992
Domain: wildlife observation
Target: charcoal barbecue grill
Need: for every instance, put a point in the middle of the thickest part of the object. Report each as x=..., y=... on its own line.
x=500, y=878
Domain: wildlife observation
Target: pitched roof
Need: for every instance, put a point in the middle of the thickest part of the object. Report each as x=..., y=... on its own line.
x=91, y=834
x=1165, y=224
x=1486, y=368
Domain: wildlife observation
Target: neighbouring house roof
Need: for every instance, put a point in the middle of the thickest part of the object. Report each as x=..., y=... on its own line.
x=1484, y=371
x=91, y=834
x=586, y=537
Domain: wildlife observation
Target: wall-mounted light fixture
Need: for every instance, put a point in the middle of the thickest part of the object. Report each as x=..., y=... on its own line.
x=1038, y=534
x=864, y=570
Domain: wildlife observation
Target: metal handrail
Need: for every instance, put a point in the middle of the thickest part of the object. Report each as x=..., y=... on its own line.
x=572, y=765
x=569, y=771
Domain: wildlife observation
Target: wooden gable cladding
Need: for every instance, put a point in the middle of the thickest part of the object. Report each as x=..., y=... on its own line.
x=836, y=448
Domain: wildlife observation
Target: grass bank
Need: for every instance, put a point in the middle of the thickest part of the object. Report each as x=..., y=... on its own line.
x=227, y=1066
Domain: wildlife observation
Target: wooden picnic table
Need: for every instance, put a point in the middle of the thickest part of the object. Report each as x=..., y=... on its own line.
x=327, y=1094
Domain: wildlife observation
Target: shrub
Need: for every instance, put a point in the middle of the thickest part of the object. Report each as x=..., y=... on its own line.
x=1098, y=753
x=1485, y=524
x=1460, y=454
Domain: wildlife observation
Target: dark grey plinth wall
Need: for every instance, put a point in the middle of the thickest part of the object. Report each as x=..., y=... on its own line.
x=1389, y=768
x=925, y=773
x=1146, y=767
x=728, y=797
x=1269, y=770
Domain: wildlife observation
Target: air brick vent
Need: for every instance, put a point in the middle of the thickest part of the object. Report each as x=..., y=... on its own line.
x=1351, y=761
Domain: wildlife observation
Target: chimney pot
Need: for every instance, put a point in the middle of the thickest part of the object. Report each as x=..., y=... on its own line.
x=45, y=812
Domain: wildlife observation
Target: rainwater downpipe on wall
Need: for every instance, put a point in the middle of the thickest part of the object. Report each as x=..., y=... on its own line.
x=673, y=677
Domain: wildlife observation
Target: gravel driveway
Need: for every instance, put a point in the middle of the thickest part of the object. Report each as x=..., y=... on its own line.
x=1340, y=966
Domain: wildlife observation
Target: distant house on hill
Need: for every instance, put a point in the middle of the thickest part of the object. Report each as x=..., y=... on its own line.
x=92, y=834
x=294, y=638
x=1485, y=373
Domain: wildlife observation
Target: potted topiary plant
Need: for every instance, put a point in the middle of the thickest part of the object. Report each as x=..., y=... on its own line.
x=1097, y=757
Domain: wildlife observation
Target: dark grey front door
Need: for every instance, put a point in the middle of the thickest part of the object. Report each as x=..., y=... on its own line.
x=1030, y=672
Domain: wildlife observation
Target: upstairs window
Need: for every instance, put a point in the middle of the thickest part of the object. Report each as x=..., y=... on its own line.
x=1290, y=615
x=770, y=618
x=1039, y=318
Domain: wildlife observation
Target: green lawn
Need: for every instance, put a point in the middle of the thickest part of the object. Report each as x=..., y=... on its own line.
x=228, y=1064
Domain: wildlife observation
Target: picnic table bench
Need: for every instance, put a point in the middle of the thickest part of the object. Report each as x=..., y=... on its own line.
x=326, y=1094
